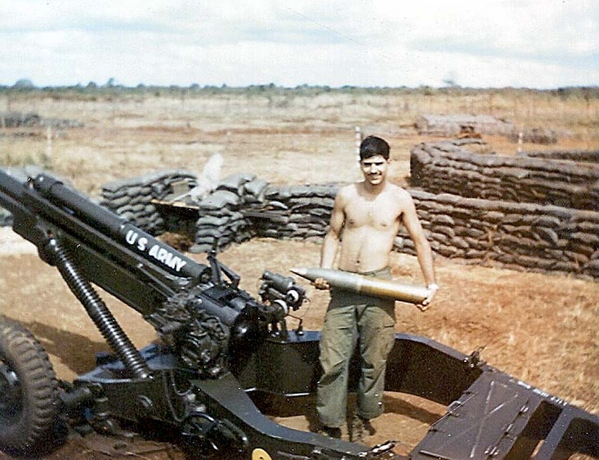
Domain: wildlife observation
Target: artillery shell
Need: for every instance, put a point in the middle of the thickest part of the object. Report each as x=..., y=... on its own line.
x=365, y=285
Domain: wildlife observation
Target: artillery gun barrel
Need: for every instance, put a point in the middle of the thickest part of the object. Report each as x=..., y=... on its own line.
x=361, y=284
x=120, y=229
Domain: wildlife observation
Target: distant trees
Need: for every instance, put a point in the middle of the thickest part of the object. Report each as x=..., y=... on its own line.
x=24, y=83
x=113, y=88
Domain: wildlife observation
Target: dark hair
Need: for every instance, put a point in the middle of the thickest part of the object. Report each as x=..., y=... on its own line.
x=372, y=146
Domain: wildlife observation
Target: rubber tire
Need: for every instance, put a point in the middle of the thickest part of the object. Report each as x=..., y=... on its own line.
x=31, y=429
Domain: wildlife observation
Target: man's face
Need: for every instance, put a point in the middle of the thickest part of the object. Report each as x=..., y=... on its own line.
x=374, y=169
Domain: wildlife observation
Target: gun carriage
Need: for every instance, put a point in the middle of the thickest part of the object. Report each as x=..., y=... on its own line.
x=221, y=350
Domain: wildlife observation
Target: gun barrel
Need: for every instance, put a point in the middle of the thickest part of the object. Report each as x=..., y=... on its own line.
x=11, y=191
x=131, y=236
x=74, y=212
x=77, y=204
x=365, y=285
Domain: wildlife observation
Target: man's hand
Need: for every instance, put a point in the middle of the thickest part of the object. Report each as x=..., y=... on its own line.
x=432, y=290
x=321, y=283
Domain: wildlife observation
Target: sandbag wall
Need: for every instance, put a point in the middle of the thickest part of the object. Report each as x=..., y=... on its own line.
x=590, y=156
x=514, y=235
x=223, y=217
x=30, y=120
x=451, y=125
x=133, y=199
x=532, y=236
x=297, y=212
x=226, y=215
x=448, y=167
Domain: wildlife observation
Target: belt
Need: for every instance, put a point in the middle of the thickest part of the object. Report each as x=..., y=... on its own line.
x=373, y=273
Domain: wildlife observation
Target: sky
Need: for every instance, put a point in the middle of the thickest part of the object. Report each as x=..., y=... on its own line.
x=369, y=43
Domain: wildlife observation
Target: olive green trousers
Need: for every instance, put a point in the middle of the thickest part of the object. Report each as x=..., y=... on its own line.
x=368, y=323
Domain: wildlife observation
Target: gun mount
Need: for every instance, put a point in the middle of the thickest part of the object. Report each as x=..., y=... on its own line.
x=220, y=350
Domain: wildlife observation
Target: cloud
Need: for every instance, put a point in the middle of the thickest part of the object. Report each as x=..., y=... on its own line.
x=360, y=42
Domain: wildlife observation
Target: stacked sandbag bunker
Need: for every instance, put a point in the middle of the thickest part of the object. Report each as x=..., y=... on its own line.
x=225, y=215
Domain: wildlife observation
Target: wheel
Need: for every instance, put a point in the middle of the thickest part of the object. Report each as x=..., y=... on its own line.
x=28, y=392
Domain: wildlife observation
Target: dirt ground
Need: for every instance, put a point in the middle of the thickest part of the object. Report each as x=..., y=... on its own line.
x=540, y=328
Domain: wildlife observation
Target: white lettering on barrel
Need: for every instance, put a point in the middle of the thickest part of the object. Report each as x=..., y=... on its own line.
x=131, y=237
x=165, y=257
x=160, y=253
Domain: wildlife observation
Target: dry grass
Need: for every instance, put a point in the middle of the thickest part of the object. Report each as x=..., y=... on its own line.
x=269, y=134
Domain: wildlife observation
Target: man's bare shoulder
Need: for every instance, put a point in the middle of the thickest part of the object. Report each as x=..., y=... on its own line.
x=400, y=193
x=347, y=191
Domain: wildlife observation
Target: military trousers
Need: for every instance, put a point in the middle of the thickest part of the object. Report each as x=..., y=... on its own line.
x=354, y=322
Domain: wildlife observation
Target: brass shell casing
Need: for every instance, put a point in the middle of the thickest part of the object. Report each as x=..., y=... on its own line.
x=365, y=284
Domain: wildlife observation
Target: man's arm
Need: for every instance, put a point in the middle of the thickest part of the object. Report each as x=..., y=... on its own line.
x=422, y=246
x=330, y=244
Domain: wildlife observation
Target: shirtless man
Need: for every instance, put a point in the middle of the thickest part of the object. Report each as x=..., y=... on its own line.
x=368, y=215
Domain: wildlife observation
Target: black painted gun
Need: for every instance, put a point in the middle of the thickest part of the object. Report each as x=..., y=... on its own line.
x=177, y=295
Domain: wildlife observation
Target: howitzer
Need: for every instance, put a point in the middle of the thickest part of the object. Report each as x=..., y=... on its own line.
x=222, y=350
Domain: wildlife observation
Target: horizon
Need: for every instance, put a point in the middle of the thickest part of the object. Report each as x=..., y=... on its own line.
x=25, y=84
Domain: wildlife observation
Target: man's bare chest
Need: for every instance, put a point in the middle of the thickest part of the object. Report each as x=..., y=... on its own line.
x=378, y=214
